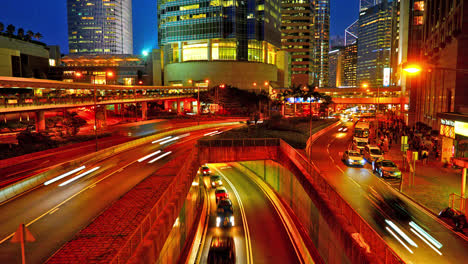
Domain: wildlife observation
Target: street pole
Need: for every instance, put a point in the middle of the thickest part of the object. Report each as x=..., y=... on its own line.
x=95, y=111
x=198, y=106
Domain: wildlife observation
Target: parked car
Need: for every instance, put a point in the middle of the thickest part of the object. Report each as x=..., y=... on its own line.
x=222, y=250
x=215, y=181
x=353, y=157
x=372, y=153
x=221, y=193
x=386, y=169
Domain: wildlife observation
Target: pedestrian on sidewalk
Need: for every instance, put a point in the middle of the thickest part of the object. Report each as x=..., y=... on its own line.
x=424, y=156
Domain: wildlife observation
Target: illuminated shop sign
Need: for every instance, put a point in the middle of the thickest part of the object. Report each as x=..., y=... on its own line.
x=447, y=122
x=386, y=77
x=461, y=128
x=447, y=131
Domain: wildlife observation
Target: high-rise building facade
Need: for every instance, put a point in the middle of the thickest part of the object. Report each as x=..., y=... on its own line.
x=351, y=33
x=375, y=33
x=219, y=31
x=297, y=38
x=335, y=67
x=365, y=4
x=349, y=65
x=100, y=26
x=322, y=35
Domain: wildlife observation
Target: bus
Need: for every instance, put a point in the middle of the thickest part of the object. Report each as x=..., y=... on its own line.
x=361, y=131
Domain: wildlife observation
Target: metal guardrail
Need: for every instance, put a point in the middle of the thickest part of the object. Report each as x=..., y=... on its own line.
x=376, y=242
x=181, y=182
x=458, y=203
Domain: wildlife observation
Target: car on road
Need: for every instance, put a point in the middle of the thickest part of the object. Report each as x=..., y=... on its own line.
x=359, y=145
x=372, y=153
x=215, y=181
x=222, y=250
x=353, y=157
x=386, y=169
x=224, y=213
x=205, y=170
x=221, y=193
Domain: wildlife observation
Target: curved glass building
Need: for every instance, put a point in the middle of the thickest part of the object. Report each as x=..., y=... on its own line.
x=217, y=40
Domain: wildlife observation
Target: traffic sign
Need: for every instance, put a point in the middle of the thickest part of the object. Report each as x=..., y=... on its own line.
x=28, y=237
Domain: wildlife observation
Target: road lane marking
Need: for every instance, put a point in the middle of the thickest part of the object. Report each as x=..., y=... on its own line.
x=342, y=171
x=283, y=220
x=248, y=245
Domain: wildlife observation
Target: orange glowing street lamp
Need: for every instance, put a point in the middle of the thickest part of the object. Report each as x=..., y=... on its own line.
x=110, y=74
x=254, y=84
x=266, y=83
x=365, y=85
x=412, y=69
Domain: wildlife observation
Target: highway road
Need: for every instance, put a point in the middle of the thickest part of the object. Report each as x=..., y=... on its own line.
x=55, y=212
x=259, y=234
x=403, y=224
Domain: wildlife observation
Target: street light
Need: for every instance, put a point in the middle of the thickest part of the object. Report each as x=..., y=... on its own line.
x=412, y=69
x=109, y=74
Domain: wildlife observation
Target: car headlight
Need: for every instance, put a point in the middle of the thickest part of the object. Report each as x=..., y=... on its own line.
x=212, y=184
x=218, y=220
x=350, y=160
x=231, y=219
x=362, y=161
x=397, y=173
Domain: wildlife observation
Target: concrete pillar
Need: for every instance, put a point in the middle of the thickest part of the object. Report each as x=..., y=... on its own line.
x=167, y=105
x=282, y=109
x=144, y=110
x=116, y=109
x=40, y=121
x=188, y=106
x=208, y=50
x=178, y=107
x=265, y=52
x=181, y=51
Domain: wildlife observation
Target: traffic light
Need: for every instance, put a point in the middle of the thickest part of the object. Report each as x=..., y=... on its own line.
x=139, y=77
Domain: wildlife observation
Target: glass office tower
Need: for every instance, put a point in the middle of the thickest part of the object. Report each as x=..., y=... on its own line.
x=373, y=50
x=219, y=30
x=100, y=26
x=322, y=38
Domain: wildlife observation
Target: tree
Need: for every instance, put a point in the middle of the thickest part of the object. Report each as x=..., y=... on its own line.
x=20, y=32
x=38, y=36
x=73, y=122
x=30, y=33
x=2, y=27
x=10, y=29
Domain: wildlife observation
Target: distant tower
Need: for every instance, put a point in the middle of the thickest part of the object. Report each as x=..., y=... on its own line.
x=322, y=35
x=100, y=27
x=351, y=33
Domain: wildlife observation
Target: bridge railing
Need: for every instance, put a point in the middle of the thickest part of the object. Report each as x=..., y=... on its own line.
x=241, y=142
x=181, y=184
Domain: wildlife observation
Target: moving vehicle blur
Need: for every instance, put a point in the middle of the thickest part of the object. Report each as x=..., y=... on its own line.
x=215, y=181
x=221, y=193
x=222, y=250
x=205, y=170
x=224, y=213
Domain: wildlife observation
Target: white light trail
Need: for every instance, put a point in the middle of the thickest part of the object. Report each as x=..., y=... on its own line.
x=169, y=140
x=79, y=176
x=149, y=156
x=217, y=133
x=425, y=241
x=401, y=233
x=426, y=235
x=209, y=133
x=160, y=157
x=161, y=139
x=64, y=175
x=399, y=240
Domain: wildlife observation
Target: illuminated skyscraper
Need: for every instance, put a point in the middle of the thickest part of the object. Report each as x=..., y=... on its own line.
x=100, y=26
x=351, y=33
x=218, y=31
x=321, y=46
x=297, y=38
x=365, y=4
x=349, y=65
x=375, y=33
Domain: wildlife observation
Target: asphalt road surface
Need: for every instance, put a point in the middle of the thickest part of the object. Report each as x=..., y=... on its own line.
x=402, y=223
x=54, y=213
x=259, y=234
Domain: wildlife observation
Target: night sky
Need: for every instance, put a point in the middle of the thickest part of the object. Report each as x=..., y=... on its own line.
x=49, y=17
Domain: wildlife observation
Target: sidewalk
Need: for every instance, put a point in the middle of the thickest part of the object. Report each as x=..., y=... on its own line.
x=432, y=183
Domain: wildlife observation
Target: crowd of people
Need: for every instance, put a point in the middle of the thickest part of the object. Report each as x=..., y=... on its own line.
x=420, y=139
